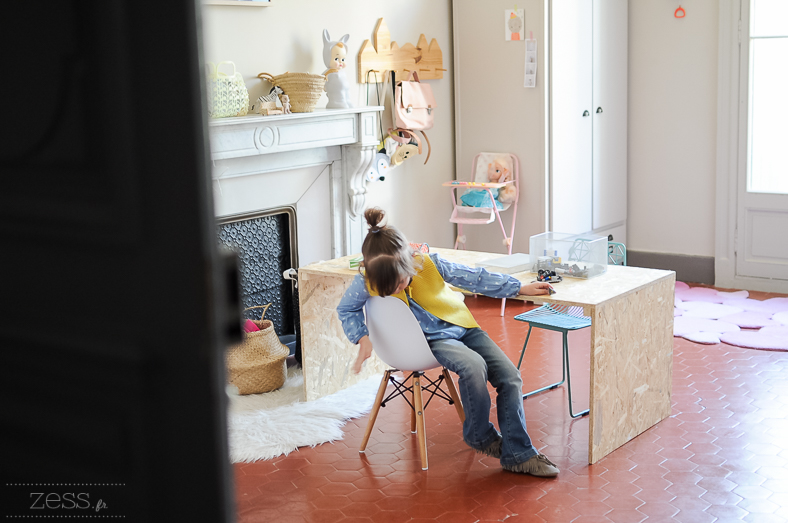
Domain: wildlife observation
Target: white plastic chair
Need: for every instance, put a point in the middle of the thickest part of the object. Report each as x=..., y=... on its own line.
x=398, y=340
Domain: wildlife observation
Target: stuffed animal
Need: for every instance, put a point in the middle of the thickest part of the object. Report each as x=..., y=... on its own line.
x=337, y=82
x=507, y=194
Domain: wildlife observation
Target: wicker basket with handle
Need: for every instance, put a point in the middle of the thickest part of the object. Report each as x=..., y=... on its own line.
x=258, y=364
x=304, y=89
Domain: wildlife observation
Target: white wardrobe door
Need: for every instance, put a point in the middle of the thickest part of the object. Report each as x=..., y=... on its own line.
x=610, y=113
x=571, y=145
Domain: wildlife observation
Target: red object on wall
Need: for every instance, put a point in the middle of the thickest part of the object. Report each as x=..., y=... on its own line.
x=680, y=13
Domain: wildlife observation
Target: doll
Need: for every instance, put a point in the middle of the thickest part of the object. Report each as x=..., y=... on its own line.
x=499, y=173
x=285, y=103
x=337, y=83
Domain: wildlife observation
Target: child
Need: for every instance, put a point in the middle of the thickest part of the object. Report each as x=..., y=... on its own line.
x=393, y=269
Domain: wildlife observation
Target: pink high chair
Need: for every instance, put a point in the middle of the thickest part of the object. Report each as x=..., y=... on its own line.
x=463, y=214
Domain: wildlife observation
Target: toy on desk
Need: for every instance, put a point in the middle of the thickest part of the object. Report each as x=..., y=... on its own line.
x=578, y=252
x=420, y=247
x=548, y=276
x=545, y=263
x=337, y=83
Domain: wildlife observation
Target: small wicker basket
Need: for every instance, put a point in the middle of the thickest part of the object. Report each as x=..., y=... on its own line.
x=304, y=89
x=258, y=364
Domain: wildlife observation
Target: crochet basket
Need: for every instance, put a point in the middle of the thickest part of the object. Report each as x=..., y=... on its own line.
x=258, y=364
x=227, y=94
x=304, y=89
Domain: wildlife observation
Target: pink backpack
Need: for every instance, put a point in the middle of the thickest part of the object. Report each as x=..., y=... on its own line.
x=414, y=104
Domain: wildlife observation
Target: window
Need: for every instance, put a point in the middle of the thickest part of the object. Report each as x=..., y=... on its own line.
x=767, y=151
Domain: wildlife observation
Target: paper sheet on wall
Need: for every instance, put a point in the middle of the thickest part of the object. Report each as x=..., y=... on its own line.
x=514, y=24
x=530, y=63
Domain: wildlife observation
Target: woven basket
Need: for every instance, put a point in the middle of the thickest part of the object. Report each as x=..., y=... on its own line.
x=304, y=89
x=258, y=364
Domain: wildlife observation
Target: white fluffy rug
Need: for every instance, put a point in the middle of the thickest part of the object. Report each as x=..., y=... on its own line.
x=263, y=426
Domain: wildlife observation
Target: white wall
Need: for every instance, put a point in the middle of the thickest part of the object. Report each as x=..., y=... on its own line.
x=672, y=109
x=672, y=127
x=497, y=114
x=287, y=36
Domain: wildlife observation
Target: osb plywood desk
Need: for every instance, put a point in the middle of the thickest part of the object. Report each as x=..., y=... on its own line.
x=631, y=311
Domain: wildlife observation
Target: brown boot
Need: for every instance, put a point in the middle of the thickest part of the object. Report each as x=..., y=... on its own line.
x=539, y=466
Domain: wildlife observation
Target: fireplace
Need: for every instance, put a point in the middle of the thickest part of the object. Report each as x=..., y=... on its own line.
x=266, y=245
x=289, y=190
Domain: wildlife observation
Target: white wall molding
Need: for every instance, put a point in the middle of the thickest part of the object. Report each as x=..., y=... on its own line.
x=727, y=143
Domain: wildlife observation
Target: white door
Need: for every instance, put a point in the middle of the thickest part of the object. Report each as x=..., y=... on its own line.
x=762, y=185
x=610, y=114
x=571, y=66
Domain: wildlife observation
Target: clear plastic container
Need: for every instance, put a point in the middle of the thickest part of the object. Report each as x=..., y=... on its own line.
x=572, y=255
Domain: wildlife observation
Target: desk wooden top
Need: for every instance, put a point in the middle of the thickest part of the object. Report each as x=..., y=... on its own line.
x=617, y=281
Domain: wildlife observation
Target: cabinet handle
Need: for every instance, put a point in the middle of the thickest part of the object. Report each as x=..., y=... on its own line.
x=598, y=110
x=585, y=113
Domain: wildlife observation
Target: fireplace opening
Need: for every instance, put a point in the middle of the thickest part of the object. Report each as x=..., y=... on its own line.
x=267, y=246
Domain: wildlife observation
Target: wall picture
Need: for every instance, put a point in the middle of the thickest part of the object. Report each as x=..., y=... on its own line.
x=514, y=24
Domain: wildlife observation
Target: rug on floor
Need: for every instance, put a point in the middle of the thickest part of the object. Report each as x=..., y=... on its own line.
x=709, y=316
x=263, y=426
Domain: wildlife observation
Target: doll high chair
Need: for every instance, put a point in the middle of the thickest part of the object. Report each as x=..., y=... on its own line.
x=475, y=202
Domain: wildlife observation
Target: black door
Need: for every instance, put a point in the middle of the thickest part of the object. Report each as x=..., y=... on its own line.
x=115, y=305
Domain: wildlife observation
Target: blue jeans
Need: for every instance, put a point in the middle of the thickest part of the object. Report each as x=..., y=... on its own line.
x=475, y=358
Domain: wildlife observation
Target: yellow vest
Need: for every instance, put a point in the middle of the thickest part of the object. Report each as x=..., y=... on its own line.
x=429, y=290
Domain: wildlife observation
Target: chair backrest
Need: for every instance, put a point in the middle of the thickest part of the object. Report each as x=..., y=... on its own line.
x=396, y=336
x=616, y=253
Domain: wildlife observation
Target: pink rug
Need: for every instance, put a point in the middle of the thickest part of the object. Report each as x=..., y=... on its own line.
x=708, y=316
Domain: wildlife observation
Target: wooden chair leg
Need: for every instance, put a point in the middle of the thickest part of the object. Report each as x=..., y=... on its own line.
x=420, y=429
x=413, y=410
x=375, y=408
x=453, y=393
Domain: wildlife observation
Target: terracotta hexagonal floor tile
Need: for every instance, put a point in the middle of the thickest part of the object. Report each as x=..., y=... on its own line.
x=720, y=454
x=657, y=510
x=625, y=516
x=337, y=489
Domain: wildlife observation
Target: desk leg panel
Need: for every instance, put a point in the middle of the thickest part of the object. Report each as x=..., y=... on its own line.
x=631, y=366
x=327, y=355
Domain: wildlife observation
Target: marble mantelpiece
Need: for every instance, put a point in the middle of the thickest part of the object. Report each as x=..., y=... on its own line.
x=248, y=147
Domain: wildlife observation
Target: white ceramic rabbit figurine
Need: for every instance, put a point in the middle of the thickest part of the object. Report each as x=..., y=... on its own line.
x=337, y=80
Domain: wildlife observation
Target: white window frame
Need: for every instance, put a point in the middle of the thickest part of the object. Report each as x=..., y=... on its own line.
x=727, y=143
x=731, y=155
